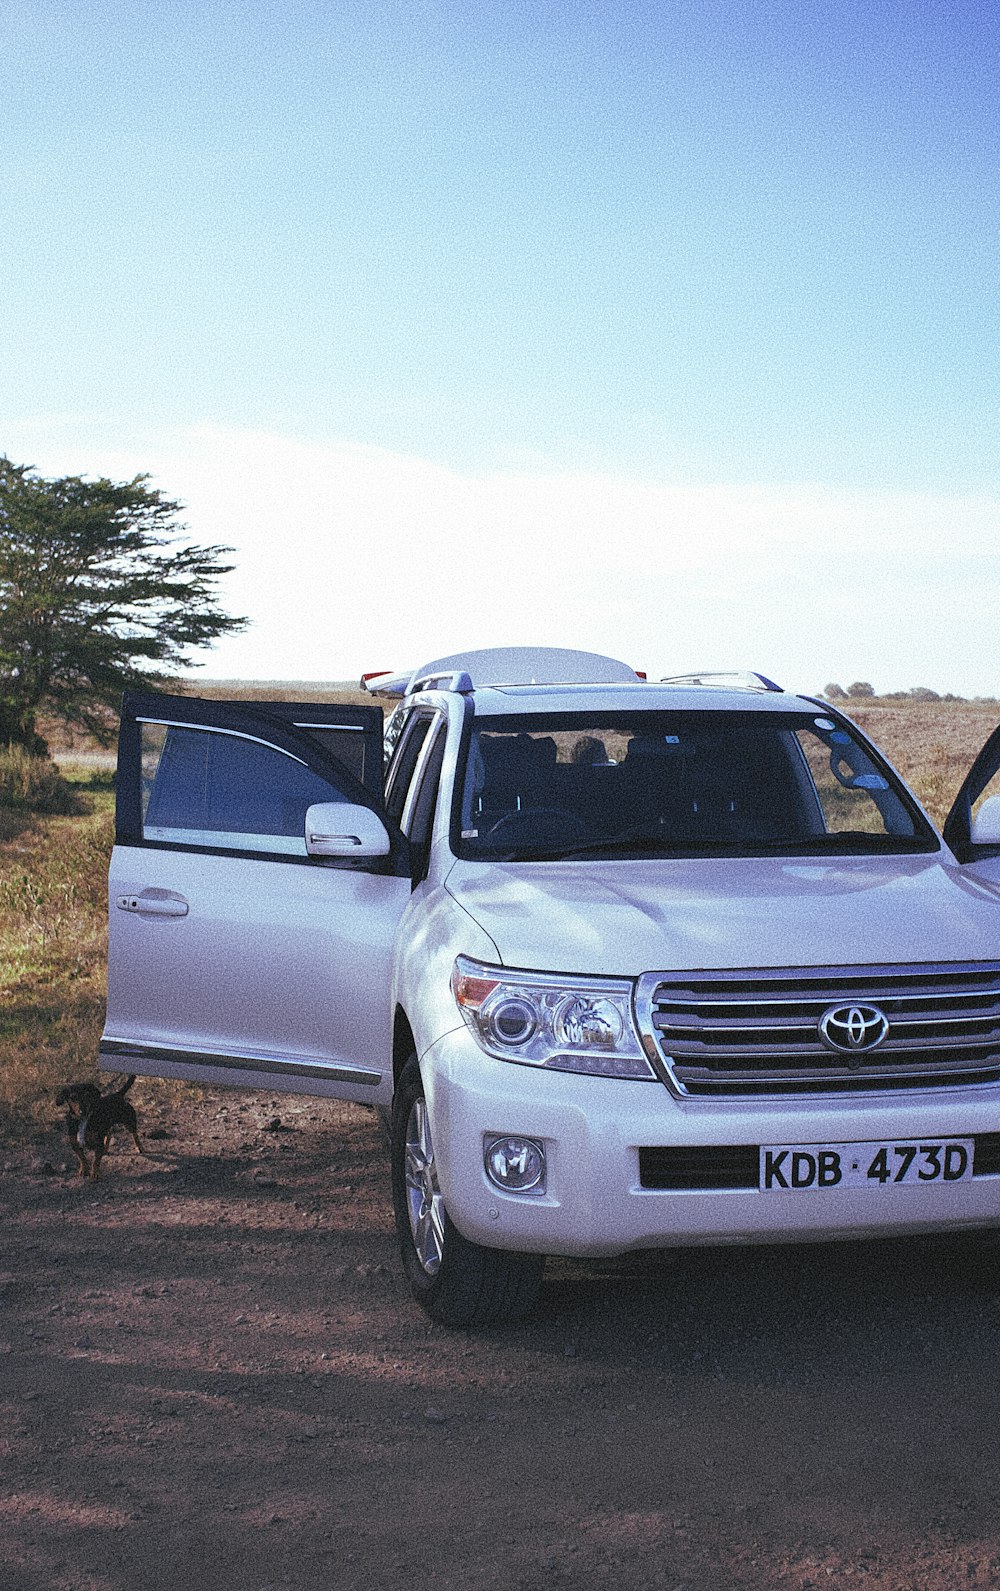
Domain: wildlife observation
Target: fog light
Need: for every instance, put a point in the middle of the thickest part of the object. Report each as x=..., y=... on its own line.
x=515, y=1164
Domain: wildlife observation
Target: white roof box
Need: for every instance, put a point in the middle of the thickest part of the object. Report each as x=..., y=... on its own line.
x=506, y=665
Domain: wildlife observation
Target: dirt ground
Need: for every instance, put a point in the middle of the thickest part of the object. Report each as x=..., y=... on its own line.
x=212, y=1376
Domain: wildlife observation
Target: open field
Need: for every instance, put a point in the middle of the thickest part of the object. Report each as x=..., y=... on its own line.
x=73, y=745
x=931, y=744
x=52, y=887
x=214, y=1374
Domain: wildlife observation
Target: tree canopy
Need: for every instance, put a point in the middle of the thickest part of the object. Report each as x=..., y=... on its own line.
x=97, y=592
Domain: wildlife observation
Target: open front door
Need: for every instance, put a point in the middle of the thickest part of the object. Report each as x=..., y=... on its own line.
x=234, y=955
x=973, y=827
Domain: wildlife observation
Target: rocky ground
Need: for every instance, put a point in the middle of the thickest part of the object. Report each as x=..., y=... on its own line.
x=211, y=1375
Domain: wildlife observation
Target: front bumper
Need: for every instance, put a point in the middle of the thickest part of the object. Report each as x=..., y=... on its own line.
x=593, y=1129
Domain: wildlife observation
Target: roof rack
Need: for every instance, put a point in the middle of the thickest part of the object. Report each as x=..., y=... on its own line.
x=501, y=666
x=455, y=679
x=738, y=679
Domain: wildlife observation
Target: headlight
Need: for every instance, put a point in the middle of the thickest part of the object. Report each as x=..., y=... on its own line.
x=540, y=1019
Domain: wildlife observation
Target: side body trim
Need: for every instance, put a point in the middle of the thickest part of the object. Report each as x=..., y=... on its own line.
x=127, y=1049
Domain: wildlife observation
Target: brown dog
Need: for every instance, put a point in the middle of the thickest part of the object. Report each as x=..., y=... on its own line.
x=91, y=1118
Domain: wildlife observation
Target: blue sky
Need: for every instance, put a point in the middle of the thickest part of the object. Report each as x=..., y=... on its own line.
x=536, y=289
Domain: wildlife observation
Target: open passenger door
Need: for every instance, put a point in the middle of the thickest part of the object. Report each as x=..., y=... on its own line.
x=973, y=827
x=239, y=952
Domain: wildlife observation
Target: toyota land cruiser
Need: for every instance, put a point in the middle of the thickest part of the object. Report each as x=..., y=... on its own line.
x=626, y=964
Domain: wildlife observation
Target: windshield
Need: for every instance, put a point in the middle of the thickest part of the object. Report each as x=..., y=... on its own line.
x=750, y=783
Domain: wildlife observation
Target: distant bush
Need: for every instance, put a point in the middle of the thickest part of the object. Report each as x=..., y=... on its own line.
x=923, y=693
x=861, y=687
x=34, y=784
x=834, y=693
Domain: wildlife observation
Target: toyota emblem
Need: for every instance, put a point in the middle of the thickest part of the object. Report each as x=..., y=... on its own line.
x=852, y=1028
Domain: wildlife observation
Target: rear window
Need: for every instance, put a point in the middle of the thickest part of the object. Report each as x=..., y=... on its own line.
x=547, y=786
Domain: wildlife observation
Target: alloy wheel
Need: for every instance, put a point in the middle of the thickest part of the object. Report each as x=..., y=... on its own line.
x=424, y=1203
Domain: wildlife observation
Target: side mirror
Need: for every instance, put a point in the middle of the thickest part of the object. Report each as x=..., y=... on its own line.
x=986, y=823
x=338, y=828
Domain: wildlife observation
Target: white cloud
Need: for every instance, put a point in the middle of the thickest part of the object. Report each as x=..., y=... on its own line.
x=352, y=557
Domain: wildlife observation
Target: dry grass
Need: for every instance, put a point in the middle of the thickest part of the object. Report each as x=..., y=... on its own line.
x=33, y=784
x=242, y=690
x=53, y=891
x=53, y=943
x=932, y=744
x=65, y=743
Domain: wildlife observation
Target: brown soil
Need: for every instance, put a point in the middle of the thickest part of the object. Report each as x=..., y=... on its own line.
x=213, y=1377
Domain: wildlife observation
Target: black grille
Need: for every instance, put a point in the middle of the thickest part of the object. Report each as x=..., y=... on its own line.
x=757, y=1032
x=987, y=1157
x=718, y=1166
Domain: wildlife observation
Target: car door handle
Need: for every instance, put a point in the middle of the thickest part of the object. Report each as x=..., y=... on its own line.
x=154, y=903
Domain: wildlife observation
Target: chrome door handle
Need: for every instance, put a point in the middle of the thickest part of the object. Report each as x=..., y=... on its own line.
x=151, y=903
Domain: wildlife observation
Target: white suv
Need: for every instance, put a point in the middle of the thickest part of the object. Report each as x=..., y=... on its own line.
x=629, y=965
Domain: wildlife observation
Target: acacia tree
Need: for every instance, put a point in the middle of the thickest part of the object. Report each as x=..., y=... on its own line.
x=96, y=594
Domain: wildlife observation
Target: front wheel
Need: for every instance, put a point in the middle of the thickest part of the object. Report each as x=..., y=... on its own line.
x=457, y=1282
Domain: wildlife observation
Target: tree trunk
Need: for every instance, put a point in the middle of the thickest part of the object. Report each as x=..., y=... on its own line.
x=18, y=729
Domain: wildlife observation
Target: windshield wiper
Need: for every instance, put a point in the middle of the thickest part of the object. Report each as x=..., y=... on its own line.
x=847, y=842
x=629, y=840
x=844, y=842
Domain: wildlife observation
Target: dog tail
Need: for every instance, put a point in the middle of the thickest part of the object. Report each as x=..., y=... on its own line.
x=116, y=1093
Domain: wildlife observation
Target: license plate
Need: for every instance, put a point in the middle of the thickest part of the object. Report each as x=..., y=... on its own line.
x=795, y=1168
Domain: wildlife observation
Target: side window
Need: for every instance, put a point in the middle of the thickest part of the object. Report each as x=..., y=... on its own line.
x=213, y=788
x=404, y=762
x=421, y=815
x=989, y=821
x=978, y=804
x=989, y=792
x=853, y=796
x=343, y=742
x=395, y=725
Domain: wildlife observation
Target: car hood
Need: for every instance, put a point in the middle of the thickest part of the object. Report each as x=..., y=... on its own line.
x=629, y=917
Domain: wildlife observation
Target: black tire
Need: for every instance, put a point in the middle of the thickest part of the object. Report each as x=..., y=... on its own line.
x=457, y=1282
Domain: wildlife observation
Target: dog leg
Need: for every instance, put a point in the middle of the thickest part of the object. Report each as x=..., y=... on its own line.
x=82, y=1168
